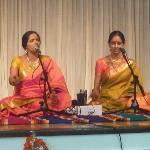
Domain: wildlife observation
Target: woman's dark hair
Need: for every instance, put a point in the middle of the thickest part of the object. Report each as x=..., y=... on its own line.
x=25, y=38
x=118, y=33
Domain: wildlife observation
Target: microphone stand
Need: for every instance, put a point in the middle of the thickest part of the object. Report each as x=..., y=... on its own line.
x=134, y=104
x=43, y=104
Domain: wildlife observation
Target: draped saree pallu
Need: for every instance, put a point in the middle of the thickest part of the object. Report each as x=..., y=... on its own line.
x=116, y=83
x=29, y=92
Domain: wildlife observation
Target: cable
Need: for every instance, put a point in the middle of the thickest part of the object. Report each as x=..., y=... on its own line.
x=114, y=129
x=146, y=100
x=121, y=144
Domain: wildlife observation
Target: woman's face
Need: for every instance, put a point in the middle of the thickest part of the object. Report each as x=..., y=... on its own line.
x=33, y=43
x=115, y=44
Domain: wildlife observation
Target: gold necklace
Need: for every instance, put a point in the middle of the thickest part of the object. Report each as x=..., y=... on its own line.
x=116, y=60
x=33, y=64
x=116, y=63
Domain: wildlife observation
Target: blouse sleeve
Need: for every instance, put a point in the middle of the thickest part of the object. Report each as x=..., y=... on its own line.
x=100, y=67
x=15, y=63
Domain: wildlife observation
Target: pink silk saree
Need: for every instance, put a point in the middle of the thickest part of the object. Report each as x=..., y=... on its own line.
x=29, y=92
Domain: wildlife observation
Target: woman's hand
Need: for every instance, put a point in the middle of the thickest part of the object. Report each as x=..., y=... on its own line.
x=14, y=80
x=95, y=97
x=54, y=97
x=95, y=94
x=96, y=102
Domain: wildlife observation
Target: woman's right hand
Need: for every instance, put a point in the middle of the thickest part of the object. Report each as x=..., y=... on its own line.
x=95, y=94
x=95, y=97
x=14, y=80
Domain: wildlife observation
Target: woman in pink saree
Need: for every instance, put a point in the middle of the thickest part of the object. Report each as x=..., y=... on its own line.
x=26, y=75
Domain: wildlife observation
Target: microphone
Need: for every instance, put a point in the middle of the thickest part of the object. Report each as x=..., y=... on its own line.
x=37, y=50
x=122, y=50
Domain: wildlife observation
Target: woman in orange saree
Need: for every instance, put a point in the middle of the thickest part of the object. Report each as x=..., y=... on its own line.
x=113, y=85
x=26, y=75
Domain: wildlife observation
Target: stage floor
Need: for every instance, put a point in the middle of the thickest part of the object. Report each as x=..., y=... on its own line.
x=74, y=129
x=95, y=136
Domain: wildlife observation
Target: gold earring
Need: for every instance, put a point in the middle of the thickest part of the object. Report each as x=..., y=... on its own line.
x=26, y=52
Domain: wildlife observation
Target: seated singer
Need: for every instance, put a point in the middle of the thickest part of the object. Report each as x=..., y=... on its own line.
x=113, y=85
x=26, y=75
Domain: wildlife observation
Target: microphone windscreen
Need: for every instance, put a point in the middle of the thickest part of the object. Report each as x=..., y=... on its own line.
x=38, y=50
x=122, y=50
